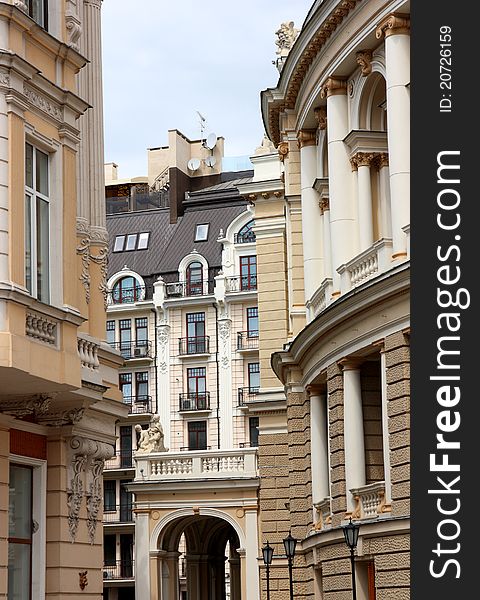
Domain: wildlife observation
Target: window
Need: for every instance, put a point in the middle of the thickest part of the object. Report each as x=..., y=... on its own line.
x=125, y=502
x=252, y=321
x=111, y=332
x=38, y=10
x=196, y=333
x=246, y=234
x=143, y=241
x=109, y=495
x=197, y=435
x=197, y=382
x=125, y=380
x=109, y=550
x=194, y=279
x=119, y=243
x=248, y=272
x=125, y=446
x=253, y=430
x=131, y=241
x=141, y=331
x=125, y=326
x=201, y=232
x=37, y=223
x=141, y=385
x=20, y=530
x=126, y=290
x=253, y=377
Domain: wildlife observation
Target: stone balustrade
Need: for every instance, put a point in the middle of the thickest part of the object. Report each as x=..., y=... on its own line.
x=369, y=501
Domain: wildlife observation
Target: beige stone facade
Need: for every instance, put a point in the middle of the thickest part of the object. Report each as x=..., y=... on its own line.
x=332, y=220
x=59, y=397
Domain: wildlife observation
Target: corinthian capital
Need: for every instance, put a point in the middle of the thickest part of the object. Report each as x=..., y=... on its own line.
x=364, y=159
x=394, y=24
x=334, y=86
x=306, y=137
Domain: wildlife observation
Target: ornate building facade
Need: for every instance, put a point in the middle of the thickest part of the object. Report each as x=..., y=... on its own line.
x=332, y=228
x=59, y=398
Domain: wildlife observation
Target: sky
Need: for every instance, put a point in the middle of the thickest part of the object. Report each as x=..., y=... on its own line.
x=166, y=60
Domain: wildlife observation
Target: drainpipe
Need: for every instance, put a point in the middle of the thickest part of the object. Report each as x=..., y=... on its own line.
x=218, y=375
x=155, y=362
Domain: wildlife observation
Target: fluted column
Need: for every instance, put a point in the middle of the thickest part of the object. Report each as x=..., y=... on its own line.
x=311, y=217
x=342, y=212
x=363, y=160
x=327, y=241
x=319, y=445
x=385, y=213
x=396, y=29
x=353, y=436
x=91, y=184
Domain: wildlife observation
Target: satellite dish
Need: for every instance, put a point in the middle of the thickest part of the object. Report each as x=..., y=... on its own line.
x=211, y=141
x=193, y=164
x=210, y=161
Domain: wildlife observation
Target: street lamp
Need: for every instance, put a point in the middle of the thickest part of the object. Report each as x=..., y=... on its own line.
x=350, y=531
x=290, y=544
x=267, y=552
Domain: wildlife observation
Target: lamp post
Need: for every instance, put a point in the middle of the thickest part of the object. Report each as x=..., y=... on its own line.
x=350, y=531
x=267, y=552
x=290, y=544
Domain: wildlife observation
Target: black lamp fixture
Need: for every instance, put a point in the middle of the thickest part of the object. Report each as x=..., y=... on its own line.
x=267, y=552
x=290, y=543
x=350, y=532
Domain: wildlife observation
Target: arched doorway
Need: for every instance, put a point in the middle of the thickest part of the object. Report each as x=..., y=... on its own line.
x=199, y=559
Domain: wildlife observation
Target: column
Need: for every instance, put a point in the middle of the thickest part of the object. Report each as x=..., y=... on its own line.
x=142, y=558
x=384, y=212
x=311, y=216
x=235, y=581
x=225, y=383
x=251, y=550
x=342, y=212
x=396, y=29
x=385, y=435
x=327, y=241
x=319, y=445
x=365, y=211
x=170, y=560
x=353, y=429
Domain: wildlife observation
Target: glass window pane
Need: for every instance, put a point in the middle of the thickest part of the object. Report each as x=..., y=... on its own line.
x=201, y=232
x=43, y=283
x=37, y=12
x=41, y=173
x=19, y=568
x=143, y=241
x=131, y=241
x=28, y=243
x=29, y=165
x=119, y=242
x=20, y=502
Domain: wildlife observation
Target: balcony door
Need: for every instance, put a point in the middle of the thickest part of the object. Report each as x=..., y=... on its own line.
x=125, y=326
x=194, y=279
x=195, y=333
x=197, y=435
x=248, y=272
x=197, y=386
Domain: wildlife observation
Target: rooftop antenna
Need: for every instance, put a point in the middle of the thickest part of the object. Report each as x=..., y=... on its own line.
x=202, y=125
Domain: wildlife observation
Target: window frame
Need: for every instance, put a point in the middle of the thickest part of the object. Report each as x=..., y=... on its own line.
x=253, y=369
x=195, y=287
x=248, y=281
x=203, y=238
x=108, y=506
x=198, y=433
x=30, y=10
x=252, y=333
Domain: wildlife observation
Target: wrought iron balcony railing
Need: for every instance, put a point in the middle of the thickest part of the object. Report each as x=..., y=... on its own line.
x=182, y=289
x=138, y=405
x=119, y=513
x=247, y=340
x=194, y=345
x=246, y=394
x=133, y=350
x=241, y=283
x=126, y=295
x=118, y=569
x=244, y=238
x=195, y=401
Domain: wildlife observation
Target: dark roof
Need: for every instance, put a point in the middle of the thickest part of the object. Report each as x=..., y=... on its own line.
x=224, y=185
x=169, y=243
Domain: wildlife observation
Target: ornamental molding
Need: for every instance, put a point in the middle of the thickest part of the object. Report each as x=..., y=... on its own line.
x=21, y=406
x=364, y=60
x=74, y=29
x=333, y=86
x=87, y=257
x=381, y=160
x=62, y=417
x=4, y=78
x=224, y=329
x=394, y=24
x=321, y=117
x=306, y=137
x=364, y=159
x=42, y=102
x=283, y=150
x=163, y=335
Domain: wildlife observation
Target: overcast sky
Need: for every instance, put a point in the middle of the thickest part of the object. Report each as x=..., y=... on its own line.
x=165, y=59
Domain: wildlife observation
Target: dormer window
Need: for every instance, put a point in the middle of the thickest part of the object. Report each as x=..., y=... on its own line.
x=131, y=241
x=201, y=232
x=194, y=279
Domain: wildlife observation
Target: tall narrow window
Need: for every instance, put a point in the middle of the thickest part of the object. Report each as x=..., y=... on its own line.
x=253, y=377
x=196, y=333
x=111, y=332
x=109, y=494
x=253, y=430
x=252, y=322
x=141, y=384
x=141, y=331
x=125, y=380
x=37, y=224
x=248, y=272
x=197, y=435
x=125, y=338
x=20, y=519
x=197, y=385
x=38, y=10
x=125, y=446
x=194, y=279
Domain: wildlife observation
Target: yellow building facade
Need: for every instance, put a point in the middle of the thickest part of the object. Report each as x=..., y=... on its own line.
x=59, y=398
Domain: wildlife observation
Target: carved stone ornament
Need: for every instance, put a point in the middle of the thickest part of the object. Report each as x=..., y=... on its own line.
x=394, y=24
x=364, y=59
x=4, y=78
x=22, y=406
x=306, y=137
x=364, y=159
x=151, y=439
x=286, y=36
x=43, y=103
x=321, y=117
x=83, y=250
x=74, y=30
x=21, y=4
x=224, y=328
x=60, y=418
x=283, y=150
x=381, y=160
x=333, y=86
x=266, y=147
x=82, y=579
x=354, y=163
x=163, y=332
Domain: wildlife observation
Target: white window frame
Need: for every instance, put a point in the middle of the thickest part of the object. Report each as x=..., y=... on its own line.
x=39, y=514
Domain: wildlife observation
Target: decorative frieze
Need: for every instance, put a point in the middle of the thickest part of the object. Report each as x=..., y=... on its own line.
x=59, y=418
x=21, y=406
x=394, y=24
x=41, y=328
x=42, y=102
x=364, y=59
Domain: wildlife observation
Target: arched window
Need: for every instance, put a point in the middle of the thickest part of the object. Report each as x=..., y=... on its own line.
x=246, y=233
x=194, y=279
x=126, y=290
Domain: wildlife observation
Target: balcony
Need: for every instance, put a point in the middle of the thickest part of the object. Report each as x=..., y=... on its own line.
x=194, y=401
x=239, y=283
x=121, y=513
x=120, y=460
x=194, y=345
x=370, y=501
x=247, y=340
x=183, y=289
x=119, y=569
x=240, y=463
x=246, y=395
x=244, y=238
x=370, y=263
x=138, y=405
x=136, y=202
x=141, y=349
x=126, y=295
